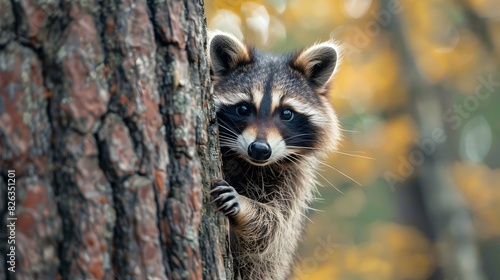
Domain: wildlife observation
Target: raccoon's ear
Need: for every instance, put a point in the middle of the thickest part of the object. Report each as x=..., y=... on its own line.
x=317, y=63
x=226, y=52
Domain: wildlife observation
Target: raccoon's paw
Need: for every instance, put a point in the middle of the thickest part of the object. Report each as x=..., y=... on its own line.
x=225, y=197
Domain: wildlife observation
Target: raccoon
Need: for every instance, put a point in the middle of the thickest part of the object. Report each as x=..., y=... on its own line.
x=275, y=125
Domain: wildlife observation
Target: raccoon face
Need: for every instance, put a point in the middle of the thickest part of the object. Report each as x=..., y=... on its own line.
x=272, y=108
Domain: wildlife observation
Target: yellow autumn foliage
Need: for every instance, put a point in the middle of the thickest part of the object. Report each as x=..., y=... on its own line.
x=392, y=251
x=480, y=187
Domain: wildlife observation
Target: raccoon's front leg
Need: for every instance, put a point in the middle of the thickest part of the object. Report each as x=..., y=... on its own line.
x=261, y=249
x=255, y=223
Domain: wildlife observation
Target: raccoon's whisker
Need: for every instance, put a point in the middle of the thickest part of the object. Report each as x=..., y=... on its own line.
x=347, y=130
x=227, y=138
x=307, y=148
x=226, y=128
x=317, y=173
x=353, y=155
x=227, y=141
x=228, y=145
x=229, y=152
x=359, y=152
x=298, y=135
x=350, y=125
x=324, y=163
x=222, y=140
x=330, y=183
x=305, y=216
x=293, y=158
x=220, y=120
x=343, y=153
x=231, y=147
x=314, y=209
x=228, y=135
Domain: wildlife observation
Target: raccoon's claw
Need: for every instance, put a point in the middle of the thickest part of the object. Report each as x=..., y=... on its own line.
x=225, y=197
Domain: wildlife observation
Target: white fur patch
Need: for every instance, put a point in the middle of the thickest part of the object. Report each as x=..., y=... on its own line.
x=278, y=146
x=257, y=96
x=276, y=98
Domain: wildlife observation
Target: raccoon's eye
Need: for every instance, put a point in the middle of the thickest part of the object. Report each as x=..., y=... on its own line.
x=243, y=110
x=286, y=115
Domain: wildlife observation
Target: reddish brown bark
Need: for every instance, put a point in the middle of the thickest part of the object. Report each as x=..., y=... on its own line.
x=105, y=116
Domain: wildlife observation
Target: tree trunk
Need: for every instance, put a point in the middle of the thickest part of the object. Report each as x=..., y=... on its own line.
x=449, y=221
x=105, y=116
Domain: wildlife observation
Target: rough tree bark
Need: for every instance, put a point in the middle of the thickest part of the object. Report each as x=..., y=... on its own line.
x=105, y=118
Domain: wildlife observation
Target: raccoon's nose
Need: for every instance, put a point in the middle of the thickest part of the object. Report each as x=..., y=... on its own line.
x=259, y=150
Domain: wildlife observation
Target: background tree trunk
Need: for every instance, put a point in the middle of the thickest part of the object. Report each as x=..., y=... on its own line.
x=442, y=211
x=105, y=118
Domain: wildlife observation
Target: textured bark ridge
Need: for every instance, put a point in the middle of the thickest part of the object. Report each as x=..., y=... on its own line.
x=105, y=116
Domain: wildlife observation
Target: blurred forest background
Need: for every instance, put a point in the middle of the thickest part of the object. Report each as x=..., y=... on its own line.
x=414, y=192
